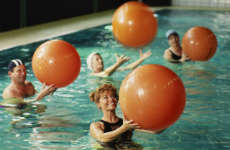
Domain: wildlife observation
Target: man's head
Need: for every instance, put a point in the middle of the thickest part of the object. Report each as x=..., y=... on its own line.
x=17, y=71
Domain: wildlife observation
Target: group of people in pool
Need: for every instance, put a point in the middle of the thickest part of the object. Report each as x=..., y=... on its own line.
x=173, y=54
x=110, y=127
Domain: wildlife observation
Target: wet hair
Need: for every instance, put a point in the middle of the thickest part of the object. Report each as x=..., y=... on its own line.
x=96, y=95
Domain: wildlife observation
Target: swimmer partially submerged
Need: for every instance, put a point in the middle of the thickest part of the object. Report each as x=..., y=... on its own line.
x=174, y=53
x=20, y=88
x=111, y=128
x=95, y=63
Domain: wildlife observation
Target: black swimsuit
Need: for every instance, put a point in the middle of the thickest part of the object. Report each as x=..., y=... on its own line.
x=174, y=56
x=123, y=142
x=113, y=126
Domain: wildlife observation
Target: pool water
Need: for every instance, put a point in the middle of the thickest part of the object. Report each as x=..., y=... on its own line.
x=62, y=121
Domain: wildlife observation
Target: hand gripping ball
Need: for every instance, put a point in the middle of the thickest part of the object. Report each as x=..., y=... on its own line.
x=199, y=43
x=153, y=96
x=134, y=24
x=56, y=62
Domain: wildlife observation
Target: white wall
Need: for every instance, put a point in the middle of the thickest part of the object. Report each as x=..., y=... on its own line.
x=202, y=3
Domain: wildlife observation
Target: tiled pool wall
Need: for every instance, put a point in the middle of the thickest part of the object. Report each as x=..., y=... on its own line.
x=202, y=3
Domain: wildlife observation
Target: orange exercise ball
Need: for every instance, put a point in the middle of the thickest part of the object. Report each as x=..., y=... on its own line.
x=153, y=96
x=134, y=24
x=56, y=62
x=199, y=43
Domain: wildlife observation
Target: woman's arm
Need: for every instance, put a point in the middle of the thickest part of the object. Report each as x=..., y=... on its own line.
x=108, y=71
x=136, y=63
x=97, y=132
x=149, y=131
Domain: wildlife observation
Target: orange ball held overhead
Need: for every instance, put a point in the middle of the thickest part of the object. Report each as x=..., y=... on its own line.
x=153, y=96
x=199, y=43
x=134, y=24
x=56, y=62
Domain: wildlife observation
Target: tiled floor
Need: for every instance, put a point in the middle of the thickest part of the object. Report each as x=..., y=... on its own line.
x=52, y=29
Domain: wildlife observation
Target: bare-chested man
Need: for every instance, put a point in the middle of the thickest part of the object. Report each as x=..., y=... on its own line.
x=20, y=88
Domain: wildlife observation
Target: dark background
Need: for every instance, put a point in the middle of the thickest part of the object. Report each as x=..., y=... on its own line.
x=15, y=14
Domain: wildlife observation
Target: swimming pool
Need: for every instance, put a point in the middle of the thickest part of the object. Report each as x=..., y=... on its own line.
x=62, y=121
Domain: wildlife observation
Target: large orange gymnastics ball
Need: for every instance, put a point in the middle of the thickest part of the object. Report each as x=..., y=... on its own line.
x=153, y=96
x=134, y=24
x=56, y=62
x=199, y=43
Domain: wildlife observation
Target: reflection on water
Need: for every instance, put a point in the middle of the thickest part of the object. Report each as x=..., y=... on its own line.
x=43, y=124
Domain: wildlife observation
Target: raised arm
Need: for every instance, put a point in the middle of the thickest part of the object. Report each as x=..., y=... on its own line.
x=97, y=132
x=108, y=71
x=168, y=56
x=45, y=91
x=136, y=63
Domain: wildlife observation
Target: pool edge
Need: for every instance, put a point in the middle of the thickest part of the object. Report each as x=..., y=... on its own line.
x=40, y=32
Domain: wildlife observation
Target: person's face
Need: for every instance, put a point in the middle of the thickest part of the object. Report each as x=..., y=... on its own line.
x=108, y=101
x=173, y=40
x=97, y=62
x=19, y=74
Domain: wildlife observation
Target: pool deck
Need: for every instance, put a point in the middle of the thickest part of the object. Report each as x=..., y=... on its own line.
x=48, y=30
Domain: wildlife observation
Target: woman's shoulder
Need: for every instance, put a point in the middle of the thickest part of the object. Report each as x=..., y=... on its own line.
x=167, y=53
x=98, y=125
x=168, y=50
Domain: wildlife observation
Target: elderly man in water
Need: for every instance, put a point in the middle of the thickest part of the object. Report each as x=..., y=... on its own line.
x=20, y=88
